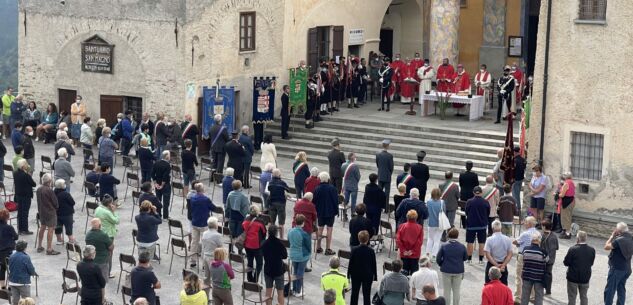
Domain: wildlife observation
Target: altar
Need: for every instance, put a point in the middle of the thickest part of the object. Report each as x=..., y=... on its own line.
x=476, y=104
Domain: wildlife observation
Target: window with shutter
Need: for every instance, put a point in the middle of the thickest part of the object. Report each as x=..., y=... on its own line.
x=313, y=50
x=337, y=41
x=247, y=31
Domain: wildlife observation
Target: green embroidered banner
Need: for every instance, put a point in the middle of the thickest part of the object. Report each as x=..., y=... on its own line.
x=298, y=86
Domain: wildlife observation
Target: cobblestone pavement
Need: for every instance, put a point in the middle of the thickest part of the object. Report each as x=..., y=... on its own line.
x=50, y=267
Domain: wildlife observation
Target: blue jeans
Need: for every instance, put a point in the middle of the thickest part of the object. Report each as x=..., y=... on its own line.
x=2, y=171
x=351, y=195
x=616, y=282
x=516, y=193
x=298, y=269
x=164, y=195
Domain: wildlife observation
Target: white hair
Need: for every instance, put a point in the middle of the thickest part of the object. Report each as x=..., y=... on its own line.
x=269, y=167
x=60, y=184
x=314, y=171
x=62, y=153
x=530, y=220
x=308, y=196
x=90, y=251
x=622, y=227
x=324, y=177
x=245, y=129
x=212, y=222
x=229, y=171
x=536, y=236
x=47, y=179
x=496, y=225
x=62, y=135
x=165, y=155
x=217, y=118
x=581, y=236
x=414, y=192
x=277, y=173
x=21, y=164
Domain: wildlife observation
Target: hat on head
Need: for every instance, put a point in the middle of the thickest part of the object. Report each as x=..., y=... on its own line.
x=386, y=141
x=387, y=59
x=460, y=66
x=506, y=67
x=234, y=132
x=477, y=190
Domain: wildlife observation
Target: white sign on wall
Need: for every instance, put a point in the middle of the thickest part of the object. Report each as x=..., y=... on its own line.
x=356, y=36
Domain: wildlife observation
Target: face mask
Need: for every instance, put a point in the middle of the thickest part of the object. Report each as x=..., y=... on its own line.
x=66, y=129
x=30, y=133
x=426, y=64
x=481, y=70
x=303, y=66
x=78, y=101
x=118, y=120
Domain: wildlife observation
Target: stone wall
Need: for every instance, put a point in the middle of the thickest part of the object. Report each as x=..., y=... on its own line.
x=587, y=92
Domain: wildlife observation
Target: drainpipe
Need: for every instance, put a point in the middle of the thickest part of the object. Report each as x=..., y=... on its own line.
x=545, y=77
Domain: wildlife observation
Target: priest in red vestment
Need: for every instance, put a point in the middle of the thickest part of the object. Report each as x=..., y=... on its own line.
x=417, y=63
x=407, y=86
x=519, y=84
x=444, y=77
x=461, y=83
x=397, y=65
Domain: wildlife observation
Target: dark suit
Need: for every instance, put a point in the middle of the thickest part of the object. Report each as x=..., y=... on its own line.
x=247, y=143
x=420, y=173
x=218, y=141
x=236, y=154
x=384, y=162
x=357, y=224
x=285, y=115
x=161, y=172
x=375, y=201
x=467, y=182
x=336, y=158
x=191, y=134
x=24, y=185
x=362, y=271
x=161, y=136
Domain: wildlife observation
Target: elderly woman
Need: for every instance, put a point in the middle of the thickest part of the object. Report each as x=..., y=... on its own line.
x=47, y=206
x=312, y=182
x=237, y=205
x=451, y=258
x=277, y=189
x=326, y=203
x=8, y=236
x=300, y=251
x=269, y=152
x=64, y=142
x=409, y=240
x=301, y=172
x=24, y=185
x=394, y=287
x=63, y=168
x=227, y=187
x=86, y=135
x=106, y=212
x=101, y=123
x=255, y=233
x=107, y=147
x=265, y=177
x=32, y=115
x=49, y=121
x=65, y=212
x=147, y=222
x=567, y=203
x=117, y=128
x=20, y=271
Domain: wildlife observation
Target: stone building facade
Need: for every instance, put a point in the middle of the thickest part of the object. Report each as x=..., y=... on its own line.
x=588, y=111
x=162, y=47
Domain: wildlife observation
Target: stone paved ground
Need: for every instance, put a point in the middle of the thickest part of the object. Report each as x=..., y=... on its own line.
x=49, y=267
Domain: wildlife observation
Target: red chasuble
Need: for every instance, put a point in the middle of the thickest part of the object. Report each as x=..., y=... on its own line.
x=445, y=73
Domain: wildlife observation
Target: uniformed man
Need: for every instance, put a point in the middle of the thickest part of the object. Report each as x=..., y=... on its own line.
x=384, y=162
x=359, y=83
x=311, y=102
x=506, y=86
x=420, y=173
x=218, y=136
x=385, y=75
x=236, y=153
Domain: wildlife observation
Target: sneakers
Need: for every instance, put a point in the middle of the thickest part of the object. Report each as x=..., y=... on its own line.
x=297, y=294
x=59, y=242
x=481, y=262
x=470, y=261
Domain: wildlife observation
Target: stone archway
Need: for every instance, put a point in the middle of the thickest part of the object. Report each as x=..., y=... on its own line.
x=404, y=23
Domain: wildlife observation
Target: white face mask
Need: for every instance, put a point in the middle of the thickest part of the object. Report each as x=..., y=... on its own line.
x=426, y=64
x=78, y=101
x=30, y=133
x=118, y=120
x=481, y=70
x=66, y=129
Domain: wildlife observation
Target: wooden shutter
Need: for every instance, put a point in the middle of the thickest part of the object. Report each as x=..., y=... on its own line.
x=337, y=41
x=313, y=50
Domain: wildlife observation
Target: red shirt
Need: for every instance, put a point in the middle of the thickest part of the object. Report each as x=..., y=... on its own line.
x=496, y=293
x=308, y=210
x=311, y=183
x=255, y=234
x=409, y=237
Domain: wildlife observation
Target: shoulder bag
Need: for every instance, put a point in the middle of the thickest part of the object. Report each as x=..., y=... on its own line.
x=444, y=223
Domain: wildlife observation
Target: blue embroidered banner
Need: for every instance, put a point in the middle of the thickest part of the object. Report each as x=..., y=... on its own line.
x=263, y=99
x=222, y=102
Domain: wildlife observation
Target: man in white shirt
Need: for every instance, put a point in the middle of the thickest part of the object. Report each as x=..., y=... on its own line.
x=424, y=276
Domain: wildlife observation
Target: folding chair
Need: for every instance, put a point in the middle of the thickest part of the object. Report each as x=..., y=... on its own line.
x=206, y=165
x=135, y=197
x=89, y=157
x=174, y=157
x=179, y=248
x=176, y=230
x=285, y=242
x=8, y=168
x=342, y=209
x=130, y=262
x=178, y=190
x=5, y=295
x=66, y=288
x=217, y=180
x=87, y=167
x=225, y=231
x=258, y=200
x=219, y=210
x=90, y=189
x=5, y=198
x=238, y=259
x=73, y=253
x=135, y=246
x=91, y=207
x=47, y=164
x=126, y=292
x=128, y=164
x=391, y=208
x=256, y=172
x=387, y=266
x=386, y=226
x=253, y=289
x=344, y=254
x=176, y=173
x=132, y=181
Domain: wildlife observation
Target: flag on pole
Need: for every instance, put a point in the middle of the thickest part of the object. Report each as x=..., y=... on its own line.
x=507, y=161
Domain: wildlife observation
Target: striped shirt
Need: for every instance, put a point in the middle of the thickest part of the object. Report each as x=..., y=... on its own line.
x=534, y=260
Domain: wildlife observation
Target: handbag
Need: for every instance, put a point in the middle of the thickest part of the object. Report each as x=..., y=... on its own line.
x=377, y=300
x=240, y=240
x=11, y=206
x=444, y=223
